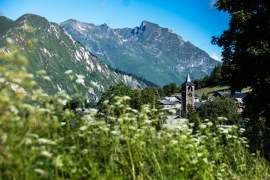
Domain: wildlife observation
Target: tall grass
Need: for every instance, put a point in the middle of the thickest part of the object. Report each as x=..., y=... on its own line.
x=40, y=139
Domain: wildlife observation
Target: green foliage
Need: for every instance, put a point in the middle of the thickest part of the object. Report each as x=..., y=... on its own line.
x=138, y=97
x=220, y=107
x=38, y=139
x=216, y=78
x=246, y=54
x=204, y=96
x=170, y=89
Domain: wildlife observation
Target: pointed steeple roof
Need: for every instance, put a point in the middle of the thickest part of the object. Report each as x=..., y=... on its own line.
x=188, y=81
x=188, y=78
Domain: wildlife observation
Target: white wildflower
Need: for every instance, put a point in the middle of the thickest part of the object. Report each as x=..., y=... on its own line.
x=2, y=80
x=205, y=160
x=80, y=81
x=115, y=132
x=173, y=142
x=148, y=121
x=4, y=138
x=106, y=129
x=32, y=135
x=200, y=154
x=222, y=118
x=183, y=136
x=62, y=101
x=46, y=154
x=46, y=141
x=68, y=72
x=126, y=98
x=14, y=109
x=40, y=172
x=63, y=123
x=10, y=41
x=85, y=151
x=47, y=78
x=209, y=124
x=83, y=128
x=28, y=141
x=58, y=161
x=241, y=130
x=79, y=76
x=132, y=128
x=202, y=126
x=91, y=90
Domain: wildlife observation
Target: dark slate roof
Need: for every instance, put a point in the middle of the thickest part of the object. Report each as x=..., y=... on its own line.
x=221, y=93
x=239, y=95
x=179, y=97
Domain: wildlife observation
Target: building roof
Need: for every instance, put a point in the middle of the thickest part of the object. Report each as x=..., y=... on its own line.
x=179, y=97
x=188, y=78
x=239, y=95
x=170, y=101
x=220, y=93
x=188, y=81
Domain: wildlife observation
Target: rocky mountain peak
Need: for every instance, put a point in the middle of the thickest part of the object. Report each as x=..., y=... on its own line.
x=148, y=50
x=55, y=52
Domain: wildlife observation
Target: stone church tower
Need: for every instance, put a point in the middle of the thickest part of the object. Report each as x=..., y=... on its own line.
x=188, y=96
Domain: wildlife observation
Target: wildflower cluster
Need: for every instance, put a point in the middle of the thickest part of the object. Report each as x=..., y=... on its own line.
x=41, y=139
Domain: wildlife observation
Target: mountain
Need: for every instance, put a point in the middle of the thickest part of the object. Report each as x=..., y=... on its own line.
x=149, y=51
x=6, y=23
x=48, y=48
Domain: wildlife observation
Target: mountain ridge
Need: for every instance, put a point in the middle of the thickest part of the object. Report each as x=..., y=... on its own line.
x=47, y=47
x=148, y=50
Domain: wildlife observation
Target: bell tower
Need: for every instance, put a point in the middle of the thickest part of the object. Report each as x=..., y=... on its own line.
x=188, y=95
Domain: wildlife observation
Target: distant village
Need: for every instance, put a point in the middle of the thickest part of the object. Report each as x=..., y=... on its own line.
x=188, y=100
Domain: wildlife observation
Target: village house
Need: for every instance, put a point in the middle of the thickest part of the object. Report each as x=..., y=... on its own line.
x=188, y=100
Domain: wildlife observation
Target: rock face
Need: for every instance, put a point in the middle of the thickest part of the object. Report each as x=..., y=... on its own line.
x=148, y=51
x=48, y=48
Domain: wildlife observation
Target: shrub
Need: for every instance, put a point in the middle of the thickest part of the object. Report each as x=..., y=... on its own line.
x=223, y=106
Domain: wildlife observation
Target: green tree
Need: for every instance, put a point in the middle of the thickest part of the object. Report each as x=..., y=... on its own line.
x=246, y=54
x=214, y=79
x=170, y=89
x=204, y=96
x=220, y=107
x=149, y=96
x=138, y=97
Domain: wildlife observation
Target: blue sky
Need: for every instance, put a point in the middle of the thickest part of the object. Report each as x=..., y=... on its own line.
x=195, y=20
